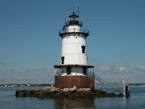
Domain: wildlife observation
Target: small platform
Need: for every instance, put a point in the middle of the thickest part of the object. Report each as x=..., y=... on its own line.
x=74, y=65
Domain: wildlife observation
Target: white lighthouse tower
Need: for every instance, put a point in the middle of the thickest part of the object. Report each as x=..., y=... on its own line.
x=74, y=59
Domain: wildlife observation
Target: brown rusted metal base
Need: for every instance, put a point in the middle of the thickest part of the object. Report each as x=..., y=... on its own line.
x=71, y=81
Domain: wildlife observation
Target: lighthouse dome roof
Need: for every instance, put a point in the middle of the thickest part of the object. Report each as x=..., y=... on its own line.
x=73, y=16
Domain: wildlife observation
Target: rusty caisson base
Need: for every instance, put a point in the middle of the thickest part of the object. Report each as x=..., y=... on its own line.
x=71, y=81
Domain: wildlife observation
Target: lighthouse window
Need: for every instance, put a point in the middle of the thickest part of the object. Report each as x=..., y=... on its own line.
x=68, y=69
x=83, y=49
x=84, y=70
x=62, y=60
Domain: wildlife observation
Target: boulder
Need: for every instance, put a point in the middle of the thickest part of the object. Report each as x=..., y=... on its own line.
x=120, y=95
x=73, y=89
x=87, y=89
x=18, y=93
x=59, y=94
x=65, y=90
x=80, y=90
x=23, y=90
x=32, y=91
x=54, y=90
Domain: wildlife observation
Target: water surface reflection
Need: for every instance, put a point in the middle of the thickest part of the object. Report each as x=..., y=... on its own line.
x=68, y=103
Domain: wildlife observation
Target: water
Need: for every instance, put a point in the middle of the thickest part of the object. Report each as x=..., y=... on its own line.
x=136, y=101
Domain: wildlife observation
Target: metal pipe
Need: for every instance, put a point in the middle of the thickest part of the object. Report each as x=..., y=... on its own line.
x=124, y=86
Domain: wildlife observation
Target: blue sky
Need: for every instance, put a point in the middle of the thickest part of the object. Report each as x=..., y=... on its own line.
x=30, y=44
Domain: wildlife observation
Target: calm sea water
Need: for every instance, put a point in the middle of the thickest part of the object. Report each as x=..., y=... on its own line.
x=136, y=101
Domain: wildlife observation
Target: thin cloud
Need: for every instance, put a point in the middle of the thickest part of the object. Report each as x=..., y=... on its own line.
x=97, y=64
x=2, y=63
x=2, y=74
x=18, y=71
x=125, y=65
x=51, y=70
x=38, y=68
x=31, y=77
x=113, y=69
x=141, y=68
x=96, y=59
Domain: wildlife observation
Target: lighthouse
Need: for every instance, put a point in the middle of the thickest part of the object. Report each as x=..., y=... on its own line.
x=74, y=69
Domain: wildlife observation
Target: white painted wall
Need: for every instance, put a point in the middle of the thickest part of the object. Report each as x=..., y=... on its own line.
x=72, y=49
x=73, y=28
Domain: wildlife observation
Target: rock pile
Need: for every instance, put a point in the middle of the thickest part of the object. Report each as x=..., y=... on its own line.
x=66, y=92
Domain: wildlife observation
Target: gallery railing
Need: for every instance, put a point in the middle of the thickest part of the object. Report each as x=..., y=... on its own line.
x=58, y=72
x=73, y=30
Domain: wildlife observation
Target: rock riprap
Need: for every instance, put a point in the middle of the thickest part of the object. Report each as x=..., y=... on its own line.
x=66, y=92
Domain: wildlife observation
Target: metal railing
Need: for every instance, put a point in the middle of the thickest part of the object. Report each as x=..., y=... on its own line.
x=72, y=30
x=98, y=78
x=59, y=72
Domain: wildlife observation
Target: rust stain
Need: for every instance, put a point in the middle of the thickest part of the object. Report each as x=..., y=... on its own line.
x=70, y=81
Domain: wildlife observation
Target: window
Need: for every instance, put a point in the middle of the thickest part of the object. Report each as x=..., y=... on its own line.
x=83, y=49
x=68, y=69
x=62, y=60
x=84, y=70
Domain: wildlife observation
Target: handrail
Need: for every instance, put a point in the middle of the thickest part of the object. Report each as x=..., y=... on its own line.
x=101, y=81
x=72, y=30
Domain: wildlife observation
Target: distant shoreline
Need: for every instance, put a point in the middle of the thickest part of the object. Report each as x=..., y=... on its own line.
x=105, y=85
x=29, y=86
